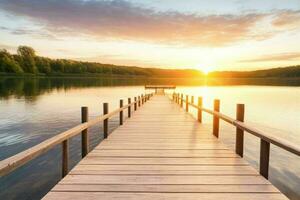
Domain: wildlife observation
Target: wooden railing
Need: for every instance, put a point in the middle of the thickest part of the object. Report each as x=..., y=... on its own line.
x=10, y=164
x=265, y=138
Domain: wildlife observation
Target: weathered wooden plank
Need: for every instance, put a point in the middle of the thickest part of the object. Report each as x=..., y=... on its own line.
x=162, y=134
x=166, y=153
x=167, y=188
x=161, y=196
x=161, y=141
x=164, y=140
x=167, y=179
x=161, y=172
x=164, y=161
x=216, y=168
x=133, y=145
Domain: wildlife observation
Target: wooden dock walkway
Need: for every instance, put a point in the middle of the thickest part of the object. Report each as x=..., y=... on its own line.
x=162, y=152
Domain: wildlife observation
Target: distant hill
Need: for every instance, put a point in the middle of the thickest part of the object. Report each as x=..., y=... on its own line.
x=291, y=71
x=27, y=62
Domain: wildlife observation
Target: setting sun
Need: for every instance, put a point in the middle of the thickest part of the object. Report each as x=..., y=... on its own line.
x=205, y=69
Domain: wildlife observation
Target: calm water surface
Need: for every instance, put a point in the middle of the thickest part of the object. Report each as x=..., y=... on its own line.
x=33, y=110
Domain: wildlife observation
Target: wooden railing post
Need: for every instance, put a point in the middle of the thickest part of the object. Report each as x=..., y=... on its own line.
x=105, y=122
x=142, y=99
x=187, y=103
x=239, y=140
x=177, y=97
x=192, y=99
x=84, y=133
x=264, y=158
x=121, y=112
x=135, y=106
x=139, y=101
x=199, y=110
x=216, y=119
x=129, y=108
x=181, y=100
x=65, y=158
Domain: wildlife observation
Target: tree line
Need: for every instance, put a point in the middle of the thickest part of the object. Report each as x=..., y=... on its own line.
x=291, y=71
x=27, y=62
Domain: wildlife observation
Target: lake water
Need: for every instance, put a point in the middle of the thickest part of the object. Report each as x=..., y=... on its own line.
x=33, y=110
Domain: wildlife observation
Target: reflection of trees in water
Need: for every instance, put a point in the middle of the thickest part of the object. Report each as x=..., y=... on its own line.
x=31, y=87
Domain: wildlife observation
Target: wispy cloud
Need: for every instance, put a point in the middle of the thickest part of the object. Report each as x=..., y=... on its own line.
x=287, y=19
x=26, y=31
x=120, y=19
x=275, y=57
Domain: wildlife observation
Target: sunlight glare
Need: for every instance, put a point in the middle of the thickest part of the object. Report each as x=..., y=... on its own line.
x=205, y=69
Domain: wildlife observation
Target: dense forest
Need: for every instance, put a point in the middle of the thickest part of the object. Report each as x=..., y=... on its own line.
x=27, y=62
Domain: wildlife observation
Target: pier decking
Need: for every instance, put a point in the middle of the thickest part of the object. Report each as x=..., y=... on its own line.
x=162, y=152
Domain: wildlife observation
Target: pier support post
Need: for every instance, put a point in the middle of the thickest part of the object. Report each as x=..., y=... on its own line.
x=135, y=106
x=216, y=119
x=121, y=112
x=264, y=158
x=239, y=139
x=105, y=122
x=187, y=103
x=199, y=109
x=139, y=101
x=129, y=107
x=84, y=133
x=181, y=100
x=65, y=158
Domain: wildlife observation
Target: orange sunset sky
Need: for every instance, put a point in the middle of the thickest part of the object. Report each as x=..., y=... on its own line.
x=205, y=35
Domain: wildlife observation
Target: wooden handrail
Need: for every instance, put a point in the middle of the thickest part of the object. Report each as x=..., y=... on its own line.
x=265, y=138
x=10, y=164
x=280, y=142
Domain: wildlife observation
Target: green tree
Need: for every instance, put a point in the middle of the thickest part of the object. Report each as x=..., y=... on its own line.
x=43, y=65
x=27, y=55
x=57, y=66
x=8, y=64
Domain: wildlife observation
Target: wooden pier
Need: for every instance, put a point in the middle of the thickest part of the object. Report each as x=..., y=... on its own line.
x=160, y=89
x=161, y=152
